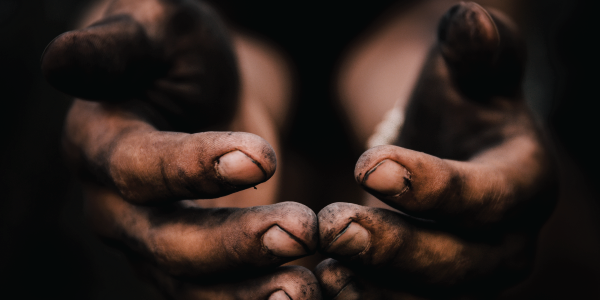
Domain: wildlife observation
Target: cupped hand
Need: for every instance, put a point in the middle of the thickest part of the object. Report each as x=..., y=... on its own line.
x=154, y=80
x=470, y=176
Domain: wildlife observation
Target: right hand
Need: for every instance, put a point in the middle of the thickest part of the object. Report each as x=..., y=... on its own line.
x=156, y=76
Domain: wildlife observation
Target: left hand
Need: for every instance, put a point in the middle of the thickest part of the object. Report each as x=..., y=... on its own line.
x=471, y=175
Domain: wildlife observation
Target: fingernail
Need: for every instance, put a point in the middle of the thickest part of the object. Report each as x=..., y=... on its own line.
x=388, y=178
x=281, y=243
x=239, y=169
x=352, y=240
x=279, y=295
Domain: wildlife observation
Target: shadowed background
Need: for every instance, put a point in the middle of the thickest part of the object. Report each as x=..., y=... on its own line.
x=46, y=250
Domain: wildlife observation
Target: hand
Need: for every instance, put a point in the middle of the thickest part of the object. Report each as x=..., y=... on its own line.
x=156, y=77
x=470, y=175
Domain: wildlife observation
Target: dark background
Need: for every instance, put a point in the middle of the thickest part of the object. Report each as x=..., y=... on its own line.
x=46, y=251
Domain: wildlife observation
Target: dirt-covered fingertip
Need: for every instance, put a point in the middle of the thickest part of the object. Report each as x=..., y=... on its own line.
x=294, y=232
x=111, y=60
x=369, y=160
x=297, y=283
x=483, y=49
x=241, y=148
x=336, y=280
x=342, y=232
x=468, y=32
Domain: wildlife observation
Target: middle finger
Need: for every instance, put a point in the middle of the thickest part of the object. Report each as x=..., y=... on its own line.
x=183, y=239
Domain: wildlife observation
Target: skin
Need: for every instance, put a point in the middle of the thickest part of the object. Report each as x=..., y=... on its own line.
x=176, y=108
x=469, y=181
x=168, y=110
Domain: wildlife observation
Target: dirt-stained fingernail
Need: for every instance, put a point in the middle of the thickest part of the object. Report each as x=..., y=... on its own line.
x=239, y=169
x=388, y=178
x=282, y=244
x=352, y=240
x=279, y=295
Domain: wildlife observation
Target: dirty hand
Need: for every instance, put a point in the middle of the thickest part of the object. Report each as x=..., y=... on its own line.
x=470, y=176
x=153, y=78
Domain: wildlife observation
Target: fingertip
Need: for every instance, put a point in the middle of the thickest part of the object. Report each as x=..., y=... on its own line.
x=293, y=283
x=369, y=160
x=53, y=59
x=49, y=56
x=468, y=32
x=336, y=280
x=352, y=240
x=266, y=157
x=237, y=168
x=360, y=235
x=483, y=50
x=256, y=148
x=302, y=284
x=111, y=60
x=301, y=222
x=282, y=244
x=388, y=178
x=379, y=169
x=284, y=231
x=341, y=233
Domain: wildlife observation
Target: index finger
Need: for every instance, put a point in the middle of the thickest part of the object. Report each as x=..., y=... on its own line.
x=144, y=165
x=497, y=185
